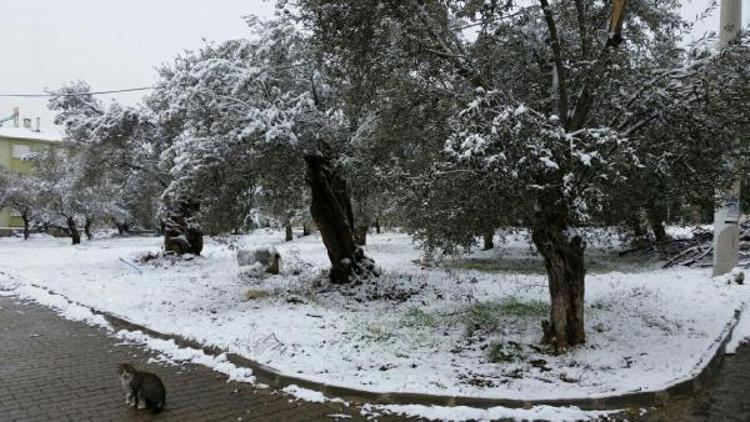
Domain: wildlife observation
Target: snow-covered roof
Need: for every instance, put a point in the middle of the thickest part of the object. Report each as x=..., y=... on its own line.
x=24, y=133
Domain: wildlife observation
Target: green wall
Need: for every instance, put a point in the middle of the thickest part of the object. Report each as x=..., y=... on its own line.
x=17, y=166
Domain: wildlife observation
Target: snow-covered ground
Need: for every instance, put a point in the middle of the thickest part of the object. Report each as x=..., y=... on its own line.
x=458, y=329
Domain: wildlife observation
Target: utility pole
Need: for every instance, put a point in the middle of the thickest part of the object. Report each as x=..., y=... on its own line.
x=727, y=213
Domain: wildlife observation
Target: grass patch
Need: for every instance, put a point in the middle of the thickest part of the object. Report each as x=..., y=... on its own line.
x=377, y=333
x=499, y=352
x=518, y=266
x=597, y=262
x=486, y=317
x=416, y=317
x=514, y=307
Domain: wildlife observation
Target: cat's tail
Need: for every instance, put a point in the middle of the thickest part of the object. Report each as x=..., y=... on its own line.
x=157, y=408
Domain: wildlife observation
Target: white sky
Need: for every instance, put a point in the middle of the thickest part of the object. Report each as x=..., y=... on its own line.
x=109, y=44
x=117, y=44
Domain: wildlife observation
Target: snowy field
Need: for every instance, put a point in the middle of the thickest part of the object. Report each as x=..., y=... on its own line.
x=470, y=326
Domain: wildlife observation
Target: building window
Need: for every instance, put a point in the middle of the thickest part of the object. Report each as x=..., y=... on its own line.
x=21, y=151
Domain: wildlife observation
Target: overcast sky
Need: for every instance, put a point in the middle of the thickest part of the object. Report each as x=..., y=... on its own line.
x=109, y=44
x=117, y=44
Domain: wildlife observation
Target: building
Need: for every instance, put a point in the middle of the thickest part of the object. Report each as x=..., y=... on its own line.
x=16, y=143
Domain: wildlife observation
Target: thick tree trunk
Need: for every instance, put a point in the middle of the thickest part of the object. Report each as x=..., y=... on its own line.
x=489, y=241
x=26, y=224
x=73, y=229
x=377, y=225
x=87, y=228
x=657, y=214
x=660, y=233
x=360, y=235
x=181, y=235
x=656, y=222
x=306, y=229
x=331, y=210
x=289, y=233
x=564, y=262
x=639, y=234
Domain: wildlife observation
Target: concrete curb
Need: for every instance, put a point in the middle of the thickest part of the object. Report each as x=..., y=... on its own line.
x=268, y=375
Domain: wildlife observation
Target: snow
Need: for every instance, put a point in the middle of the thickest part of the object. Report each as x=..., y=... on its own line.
x=549, y=163
x=521, y=109
x=407, y=332
x=305, y=394
x=310, y=395
x=171, y=353
x=463, y=413
x=24, y=133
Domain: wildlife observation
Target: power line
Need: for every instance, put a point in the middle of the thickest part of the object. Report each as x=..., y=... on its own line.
x=113, y=91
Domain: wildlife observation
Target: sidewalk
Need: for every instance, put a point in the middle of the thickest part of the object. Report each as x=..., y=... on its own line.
x=52, y=369
x=726, y=400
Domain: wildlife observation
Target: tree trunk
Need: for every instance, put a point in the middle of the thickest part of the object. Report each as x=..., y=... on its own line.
x=656, y=213
x=331, y=210
x=360, y=235
x=87, y=228
x=181, y=235
x=306, y=229
x=489, y=241
x=564, y=262
x=639, y=235
x=289, y=233
x=120, y=229
x=73, y=229
x=656, y=222
x=377, y=225
x=25, y=217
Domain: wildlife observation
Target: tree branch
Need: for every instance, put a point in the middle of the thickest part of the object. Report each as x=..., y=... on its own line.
x=595, y=78
x=585, y=42
x=561, y=74
x=458, y=60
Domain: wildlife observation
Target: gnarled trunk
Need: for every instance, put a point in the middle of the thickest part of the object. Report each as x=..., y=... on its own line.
x=660, y=233
x=564, y=262
x=122, y=228
x=26, y=224
x=639, y=234
x=289, y=233
x=181, y=235
x=331, y=210
x=73, y=229
x=657, y=214
x=360, y=235
x=489, y=241
x=87, y=228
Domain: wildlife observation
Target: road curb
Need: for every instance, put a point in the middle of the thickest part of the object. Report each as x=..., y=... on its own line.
x=274, y=378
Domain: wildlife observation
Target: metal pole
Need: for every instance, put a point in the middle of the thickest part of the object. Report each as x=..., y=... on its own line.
x=727, y=214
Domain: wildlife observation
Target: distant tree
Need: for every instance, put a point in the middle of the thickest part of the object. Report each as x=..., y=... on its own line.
x=117, y=153
x=60, y=182
x=21, y=193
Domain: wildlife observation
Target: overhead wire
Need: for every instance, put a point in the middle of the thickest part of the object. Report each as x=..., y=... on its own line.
x=76, y=94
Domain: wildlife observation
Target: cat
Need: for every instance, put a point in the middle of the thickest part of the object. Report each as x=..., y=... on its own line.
x=143, y=390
